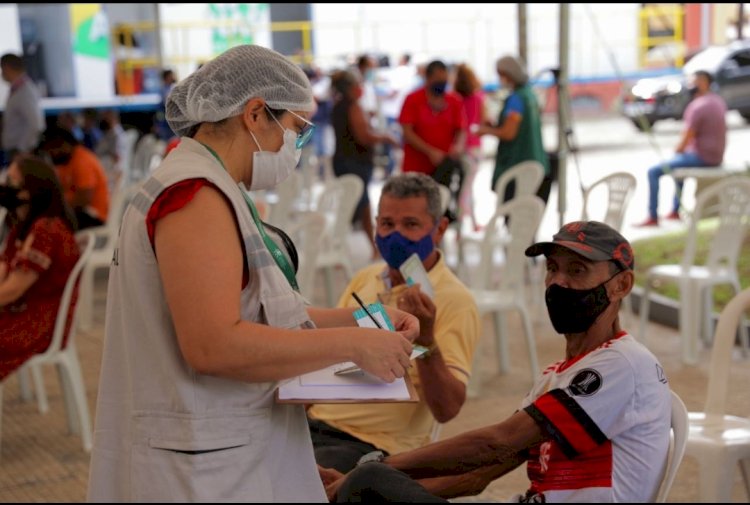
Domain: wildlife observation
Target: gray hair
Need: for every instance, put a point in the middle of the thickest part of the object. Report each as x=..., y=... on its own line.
x=411, y=184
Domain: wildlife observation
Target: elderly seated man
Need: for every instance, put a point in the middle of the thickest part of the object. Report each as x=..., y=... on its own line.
x=595, y=426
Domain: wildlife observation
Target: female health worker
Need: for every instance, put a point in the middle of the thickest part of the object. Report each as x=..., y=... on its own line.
x=203, y=319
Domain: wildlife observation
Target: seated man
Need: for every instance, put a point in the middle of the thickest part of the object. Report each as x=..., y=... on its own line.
x=81, y=175
x=409, y=221
x=702, y=144
x=595, y=426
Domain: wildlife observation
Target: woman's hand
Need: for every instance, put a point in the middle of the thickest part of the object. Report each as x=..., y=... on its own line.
x=384, y=353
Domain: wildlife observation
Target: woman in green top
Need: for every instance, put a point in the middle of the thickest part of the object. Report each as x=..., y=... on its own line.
x=519, y=127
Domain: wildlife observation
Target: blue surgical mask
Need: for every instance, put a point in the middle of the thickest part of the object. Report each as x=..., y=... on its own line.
x=395, y=248
x=439, y=87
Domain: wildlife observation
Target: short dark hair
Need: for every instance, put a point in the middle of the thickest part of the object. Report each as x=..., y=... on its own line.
x=55, y=133
x=416, y=184
x=434, y=66
x=706, y=75
x=12, y=61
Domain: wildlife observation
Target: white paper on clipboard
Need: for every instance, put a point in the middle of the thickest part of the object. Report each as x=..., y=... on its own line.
x=414, y=273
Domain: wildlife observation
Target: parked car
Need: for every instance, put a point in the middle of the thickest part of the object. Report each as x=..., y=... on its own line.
x=652, y=99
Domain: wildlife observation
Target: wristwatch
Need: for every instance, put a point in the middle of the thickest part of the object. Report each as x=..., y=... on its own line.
x=374, y=456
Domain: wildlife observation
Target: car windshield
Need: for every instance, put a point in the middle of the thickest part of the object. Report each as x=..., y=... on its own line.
x=708, y=60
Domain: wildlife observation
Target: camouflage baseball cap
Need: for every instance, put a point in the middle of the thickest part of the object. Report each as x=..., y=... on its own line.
x=592, y=240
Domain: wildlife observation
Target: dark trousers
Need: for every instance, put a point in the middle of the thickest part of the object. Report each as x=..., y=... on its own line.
x=86, y=220
x=335, y=448
x=377, y=483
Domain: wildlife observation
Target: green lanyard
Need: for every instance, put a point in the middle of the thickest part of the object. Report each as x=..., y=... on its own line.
x=272, y=247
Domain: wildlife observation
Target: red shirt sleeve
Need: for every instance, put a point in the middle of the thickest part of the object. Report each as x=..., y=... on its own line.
x=37, y=250
x=174, y=198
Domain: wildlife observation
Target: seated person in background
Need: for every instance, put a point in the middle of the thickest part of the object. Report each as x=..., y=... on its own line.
x=410, y=220
x=91, y=133
x=702, y=143
x=81, y=175
x=595, y=426
x=38, y=257
x=111, y=148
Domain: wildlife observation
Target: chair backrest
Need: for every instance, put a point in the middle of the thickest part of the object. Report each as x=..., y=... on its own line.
x=308, y=234
x=144, y=151
x=338, y=202
x=445, y=197
x=131, y=137
x=120, y=200
x=721, y=353
x=287, y=194
x=524, y=214
x=85, y=240
x=620, y=187
x=527, y=175
x=733, y=209
x=677, y=443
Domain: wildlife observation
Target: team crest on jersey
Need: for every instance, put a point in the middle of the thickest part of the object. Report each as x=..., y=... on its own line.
x=585, y=383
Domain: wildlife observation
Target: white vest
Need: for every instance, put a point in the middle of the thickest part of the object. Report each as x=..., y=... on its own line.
x=153, y=407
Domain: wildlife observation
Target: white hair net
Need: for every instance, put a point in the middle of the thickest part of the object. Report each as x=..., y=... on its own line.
x=222, y=87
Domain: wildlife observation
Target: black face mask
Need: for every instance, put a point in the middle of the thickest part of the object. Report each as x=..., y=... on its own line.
x=438, y=88
x=9, y=197
x=61, y=159
x=575, y=310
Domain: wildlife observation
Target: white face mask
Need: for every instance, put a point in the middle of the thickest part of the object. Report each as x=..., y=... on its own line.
x=272, y=168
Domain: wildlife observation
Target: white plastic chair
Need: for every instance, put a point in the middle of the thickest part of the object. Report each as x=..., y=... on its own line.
x=66, y=359
x=106, y=240
x=525, y=213
x=696, y=281
x=144, y=151
x=620, y=187
x=717, y=440
x=527, y=176
x=677, y=444
x=307, y=232
x=286, y=197
x=338, y=202
x=131, y=138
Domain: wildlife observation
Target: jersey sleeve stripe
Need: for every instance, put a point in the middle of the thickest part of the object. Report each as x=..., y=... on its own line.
x=570, y=420
x=549, y=429
x=580, y=415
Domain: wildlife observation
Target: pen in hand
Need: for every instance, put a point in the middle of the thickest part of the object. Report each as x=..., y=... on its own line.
x=361, y=304
x=356, y=368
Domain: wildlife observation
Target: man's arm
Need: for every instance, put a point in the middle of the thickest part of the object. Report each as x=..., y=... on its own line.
x=82, y=198
x=507, y=131
x=414, y=140
x=687, y=136
x=471, y=483
x=500, y=444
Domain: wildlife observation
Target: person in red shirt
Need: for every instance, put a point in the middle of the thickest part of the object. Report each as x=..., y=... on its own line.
x=433, y=122
x=35, y=263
